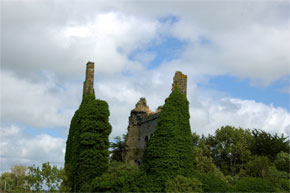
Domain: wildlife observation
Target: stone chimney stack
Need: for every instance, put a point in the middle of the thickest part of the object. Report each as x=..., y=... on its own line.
x=181, y=81
x=89, y=82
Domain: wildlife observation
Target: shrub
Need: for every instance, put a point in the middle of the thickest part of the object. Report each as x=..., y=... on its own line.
x=276, y=175
x=282, y=161
x=254, y=185
x=212, y=183
x=183, y=184
x=284, y=184
x=258, y=166
x=120, y=177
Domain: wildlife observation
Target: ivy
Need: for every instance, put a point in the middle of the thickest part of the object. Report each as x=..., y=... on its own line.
x=169, y=151
x=87, y=154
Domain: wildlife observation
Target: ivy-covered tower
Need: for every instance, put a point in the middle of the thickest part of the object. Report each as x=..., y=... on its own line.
x=169, y=151
x=87, y=146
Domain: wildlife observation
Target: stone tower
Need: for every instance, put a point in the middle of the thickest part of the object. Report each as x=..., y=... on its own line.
x=89, y=82
x=181, y=81
x=142, y=124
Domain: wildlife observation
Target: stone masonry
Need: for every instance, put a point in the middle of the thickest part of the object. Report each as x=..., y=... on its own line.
x=180, y=80
x=143, y=122
x=89, y=82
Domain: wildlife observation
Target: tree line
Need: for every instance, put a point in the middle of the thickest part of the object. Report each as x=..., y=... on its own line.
x=34, y=179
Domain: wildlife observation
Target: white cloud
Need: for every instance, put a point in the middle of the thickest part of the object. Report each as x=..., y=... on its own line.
x=257, y=52
x=37, y=104
x=17, y=147
x=249, y=44
x=211, y=114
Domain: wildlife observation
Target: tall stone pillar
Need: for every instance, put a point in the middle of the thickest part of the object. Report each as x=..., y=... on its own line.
x=89, y=82
x=181, y=81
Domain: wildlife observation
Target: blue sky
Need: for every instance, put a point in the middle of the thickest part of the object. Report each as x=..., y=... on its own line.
x=242, y=88
x=170, y=48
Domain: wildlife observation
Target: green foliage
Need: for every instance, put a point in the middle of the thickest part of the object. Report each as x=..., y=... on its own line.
x=282, y=161
x=118, y=149
x=212, y=183
x=120, y=177
x=16, y=180
x=284, y=184
x=47, y=177
x=268, y=145
x=183, y=184
x=258, y=166
x=276, y=175
x=87, y=153
x=33, y=179
x=169, y=151
x=7, y=182
x=230, y=148
x=203, y=163
x=254, y=185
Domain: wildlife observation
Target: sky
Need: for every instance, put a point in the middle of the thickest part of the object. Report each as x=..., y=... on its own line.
x=236, y=54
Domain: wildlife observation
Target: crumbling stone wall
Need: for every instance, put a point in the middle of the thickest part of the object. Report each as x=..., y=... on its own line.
x=143, y=122
x=89, y=82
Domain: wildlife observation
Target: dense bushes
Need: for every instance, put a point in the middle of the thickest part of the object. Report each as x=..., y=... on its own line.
x=212, y=183
x=284, y=184
x=282, y=161
x=87, y=153
x=254, y=185
x=120, y=177
x=169, y=151
x=183, y=184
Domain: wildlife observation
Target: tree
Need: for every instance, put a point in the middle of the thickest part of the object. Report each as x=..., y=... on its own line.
x=118, y=149
x=35, y=178
x=7, y=183
x=169, y=151
x=258, y=166
x=203, y=161
x=268, y=145
x=47, y=177
x=15, y=180
x=230, y=148
x=87, y=151
x=18, y=172
x=282, y=161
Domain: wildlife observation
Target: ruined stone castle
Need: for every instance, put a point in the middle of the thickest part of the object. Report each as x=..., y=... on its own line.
x=142, y=121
